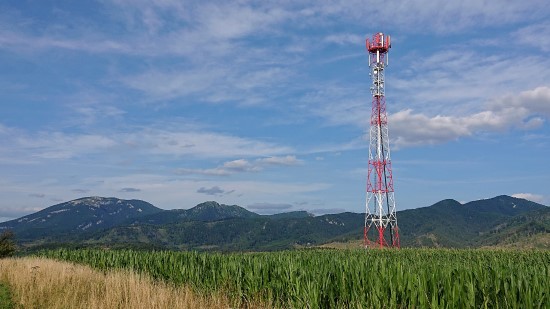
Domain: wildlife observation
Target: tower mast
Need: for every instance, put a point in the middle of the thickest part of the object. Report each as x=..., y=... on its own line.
x=380, y=202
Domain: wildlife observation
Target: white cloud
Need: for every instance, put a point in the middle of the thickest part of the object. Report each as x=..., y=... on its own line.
x=8, y=213
x=129, y=190
x=231, y=20
x=431, y=16
x=19, y=39
x=344, y=38
x=219, y=63
x=4, y=129
x=526, y=110
x=530, y=196
x=536, y=101
x=443, y=86
x=537, y=35
x=207, y=29
x=242, y=165
x=456, y=81
x=166, y=192
x=339, y=105
x=206, y=172
x=243, y=79
x=90, y=115
x=211, y=191
x=200, y=144
x=270, y=208
x=154, y=29
x=38, y=195
x=286, y=161
x=165, y=85
x=409, y=129
x=59, y=145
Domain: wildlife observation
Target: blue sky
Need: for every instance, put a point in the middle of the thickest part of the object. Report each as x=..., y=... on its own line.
x=265, y=104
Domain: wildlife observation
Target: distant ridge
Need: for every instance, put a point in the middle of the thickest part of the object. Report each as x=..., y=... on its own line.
x=77, y=216
x=207, y=211
x=110, y=222
x=292, y=214
x=449, y=223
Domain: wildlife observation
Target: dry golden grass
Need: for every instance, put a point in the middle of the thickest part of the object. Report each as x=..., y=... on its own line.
x=42, y=283
x=352, y=244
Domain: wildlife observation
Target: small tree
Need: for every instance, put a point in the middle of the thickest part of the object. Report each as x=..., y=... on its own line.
x=7, y=244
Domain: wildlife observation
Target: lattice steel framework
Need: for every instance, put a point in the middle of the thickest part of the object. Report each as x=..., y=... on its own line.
x=380, y=202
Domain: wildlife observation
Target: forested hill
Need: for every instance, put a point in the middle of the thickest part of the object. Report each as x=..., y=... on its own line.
x=110, y=222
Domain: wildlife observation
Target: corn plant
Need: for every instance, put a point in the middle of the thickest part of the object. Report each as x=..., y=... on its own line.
x=406, y=278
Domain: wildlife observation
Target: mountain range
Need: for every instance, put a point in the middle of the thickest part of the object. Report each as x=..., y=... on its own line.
x=502, y=221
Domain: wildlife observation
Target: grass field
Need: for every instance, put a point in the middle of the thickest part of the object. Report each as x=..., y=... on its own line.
x=5, y=297
x=48, y=284
x=407, y=278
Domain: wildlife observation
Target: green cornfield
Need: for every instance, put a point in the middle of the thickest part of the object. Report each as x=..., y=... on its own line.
x=406, y=278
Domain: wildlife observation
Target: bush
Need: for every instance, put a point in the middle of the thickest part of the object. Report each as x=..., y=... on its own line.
x=7, y=244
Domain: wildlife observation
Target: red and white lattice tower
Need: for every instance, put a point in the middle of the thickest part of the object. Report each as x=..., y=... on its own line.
x=380, y=218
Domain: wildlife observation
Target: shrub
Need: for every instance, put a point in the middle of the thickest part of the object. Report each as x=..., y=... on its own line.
x=7, y=244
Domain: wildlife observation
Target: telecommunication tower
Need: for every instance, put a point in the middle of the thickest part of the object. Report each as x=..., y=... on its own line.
x=380, y=202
